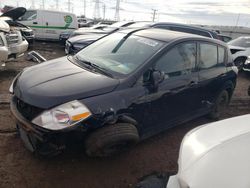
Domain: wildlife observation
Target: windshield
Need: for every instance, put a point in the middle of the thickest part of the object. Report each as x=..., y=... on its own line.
x=29, y=15
x=241, y=41
x=119, y=52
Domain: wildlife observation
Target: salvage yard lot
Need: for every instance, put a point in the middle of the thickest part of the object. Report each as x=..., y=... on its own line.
x=19, y=168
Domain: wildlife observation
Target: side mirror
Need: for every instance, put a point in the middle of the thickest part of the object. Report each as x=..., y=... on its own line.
x=152, y=78
x=157, y=77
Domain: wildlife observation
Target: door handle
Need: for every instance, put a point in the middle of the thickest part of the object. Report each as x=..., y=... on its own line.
x=34, y=22
x=192, y=83
x=223, y=75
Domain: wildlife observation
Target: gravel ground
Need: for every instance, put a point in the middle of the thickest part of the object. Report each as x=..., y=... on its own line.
x=19, y=168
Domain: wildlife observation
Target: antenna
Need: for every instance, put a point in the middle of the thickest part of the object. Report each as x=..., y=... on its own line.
x=117, y=10
x=97, y=9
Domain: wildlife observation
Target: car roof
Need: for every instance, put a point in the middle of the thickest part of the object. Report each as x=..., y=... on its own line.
x=166, y=35
x=182, y=25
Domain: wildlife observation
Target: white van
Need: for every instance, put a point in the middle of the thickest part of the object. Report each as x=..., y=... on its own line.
x=48, y=24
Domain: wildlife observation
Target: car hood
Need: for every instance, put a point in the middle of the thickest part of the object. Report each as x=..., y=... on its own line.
x=15, y=13
x=4, y=26
x=59, y=81
x=84, y=38
x=236, y=47
x=216, y=155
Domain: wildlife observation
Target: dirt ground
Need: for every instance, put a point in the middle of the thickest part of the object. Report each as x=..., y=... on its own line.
x=19, y=168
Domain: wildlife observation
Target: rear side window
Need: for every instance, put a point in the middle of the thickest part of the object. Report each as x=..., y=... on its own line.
x=179, y=60
x=208, y=56
x=211, y=55
x=221, y=55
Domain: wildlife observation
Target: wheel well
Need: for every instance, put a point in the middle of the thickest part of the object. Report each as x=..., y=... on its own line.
x=229, y=87
x=240, y=58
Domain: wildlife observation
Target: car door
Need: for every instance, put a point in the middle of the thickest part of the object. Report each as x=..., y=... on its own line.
x=176, y=96
x=212, y=71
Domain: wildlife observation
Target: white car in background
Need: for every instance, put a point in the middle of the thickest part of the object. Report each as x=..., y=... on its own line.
x=240, y=49
x=12, y=44
x=215, y=155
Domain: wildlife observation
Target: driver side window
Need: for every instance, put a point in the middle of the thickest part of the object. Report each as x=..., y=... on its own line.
x=179, y=60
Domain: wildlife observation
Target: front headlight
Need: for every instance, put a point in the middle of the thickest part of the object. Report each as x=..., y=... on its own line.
x=247, y=61
x=63, y=116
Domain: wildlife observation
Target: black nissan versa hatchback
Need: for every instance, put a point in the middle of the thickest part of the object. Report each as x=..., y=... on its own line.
x=121, y=89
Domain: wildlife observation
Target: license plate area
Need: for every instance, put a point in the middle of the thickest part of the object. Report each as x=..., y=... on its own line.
x=26, y=139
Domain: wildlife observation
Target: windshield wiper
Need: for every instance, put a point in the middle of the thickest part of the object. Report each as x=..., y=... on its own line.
x=95, y=67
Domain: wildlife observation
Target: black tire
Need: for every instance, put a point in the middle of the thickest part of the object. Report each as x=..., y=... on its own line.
x=111, y=139
x=239, y=62
x=220, y=105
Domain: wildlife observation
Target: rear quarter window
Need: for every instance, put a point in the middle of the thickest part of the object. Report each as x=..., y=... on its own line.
x=208, y=55
x=211, y=55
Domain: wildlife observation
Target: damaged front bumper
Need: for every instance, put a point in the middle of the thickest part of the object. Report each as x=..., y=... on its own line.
x=18, y=49
x=42, y=141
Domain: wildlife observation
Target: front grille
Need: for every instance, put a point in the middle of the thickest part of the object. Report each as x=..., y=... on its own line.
x=28, y=111
x=28, y=33
x=12, y=38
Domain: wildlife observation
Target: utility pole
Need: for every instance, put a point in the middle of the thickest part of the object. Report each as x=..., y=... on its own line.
x=69, y=9
x=43, y=4
x=104, y=11
x=97, y=9
x=32, y=4
x=154, y=13
x=84, y=7
x=117, y=10
x=57, y=4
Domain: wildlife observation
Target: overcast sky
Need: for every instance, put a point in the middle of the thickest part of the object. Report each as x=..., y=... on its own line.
x=223, y=12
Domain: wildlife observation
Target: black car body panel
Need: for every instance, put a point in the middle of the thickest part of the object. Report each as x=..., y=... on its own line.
x=150, y=107
x=15, y=13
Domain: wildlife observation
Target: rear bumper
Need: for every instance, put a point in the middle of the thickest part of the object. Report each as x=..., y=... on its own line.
x=246, y=67
x=40, y=140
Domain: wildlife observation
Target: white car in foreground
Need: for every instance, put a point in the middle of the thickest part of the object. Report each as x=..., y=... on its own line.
x=215, y=155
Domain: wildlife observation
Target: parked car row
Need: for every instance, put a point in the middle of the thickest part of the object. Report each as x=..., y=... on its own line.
x=121, y=89
x=76, y=43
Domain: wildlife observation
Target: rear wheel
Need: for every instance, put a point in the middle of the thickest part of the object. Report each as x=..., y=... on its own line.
x=111, y=139
x=220, y=105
